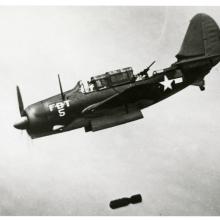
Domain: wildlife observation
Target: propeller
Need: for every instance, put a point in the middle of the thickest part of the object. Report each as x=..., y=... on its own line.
x=23, y=123
x=20, y=102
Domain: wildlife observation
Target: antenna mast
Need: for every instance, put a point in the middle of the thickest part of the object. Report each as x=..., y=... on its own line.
x=61, y=89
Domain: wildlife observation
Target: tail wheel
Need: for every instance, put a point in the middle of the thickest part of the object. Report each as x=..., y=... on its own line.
x=202, y=88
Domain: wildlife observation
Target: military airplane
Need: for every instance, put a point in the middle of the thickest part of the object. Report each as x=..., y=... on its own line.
x=117, y=97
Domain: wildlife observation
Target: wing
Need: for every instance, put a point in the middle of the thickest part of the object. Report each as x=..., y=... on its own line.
x=130, y=95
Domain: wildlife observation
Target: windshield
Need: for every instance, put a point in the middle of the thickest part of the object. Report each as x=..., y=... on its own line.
x=77, y=86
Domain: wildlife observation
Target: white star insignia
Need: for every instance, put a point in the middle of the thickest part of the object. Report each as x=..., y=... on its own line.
x=167, y=83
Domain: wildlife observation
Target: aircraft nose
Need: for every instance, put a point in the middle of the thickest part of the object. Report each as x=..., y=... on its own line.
x=22, y=124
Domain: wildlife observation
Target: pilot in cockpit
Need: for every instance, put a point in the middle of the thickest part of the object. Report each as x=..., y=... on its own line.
x=86, y=87
x=90, y=86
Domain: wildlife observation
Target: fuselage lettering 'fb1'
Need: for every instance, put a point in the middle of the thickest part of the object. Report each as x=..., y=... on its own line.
x=60, y=107
x=118, y=96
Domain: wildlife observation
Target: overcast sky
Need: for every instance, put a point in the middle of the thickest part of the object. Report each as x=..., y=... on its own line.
x=171, y=157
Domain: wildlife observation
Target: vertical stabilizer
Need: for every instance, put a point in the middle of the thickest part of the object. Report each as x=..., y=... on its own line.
x=202, y=39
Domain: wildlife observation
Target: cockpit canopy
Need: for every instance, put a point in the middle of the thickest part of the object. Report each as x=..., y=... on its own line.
x=107, y=80
x=113, y=78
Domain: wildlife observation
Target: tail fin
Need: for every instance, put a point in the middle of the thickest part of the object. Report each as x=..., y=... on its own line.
x=202, y=39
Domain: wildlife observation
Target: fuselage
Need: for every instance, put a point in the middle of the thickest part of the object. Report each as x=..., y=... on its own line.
x=118, y=96
x=54, y=115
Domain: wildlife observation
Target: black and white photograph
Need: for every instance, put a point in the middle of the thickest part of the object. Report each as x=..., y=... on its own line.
x=109, y=110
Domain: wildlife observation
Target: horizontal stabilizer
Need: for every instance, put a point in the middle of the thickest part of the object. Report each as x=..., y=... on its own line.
x=199, y=82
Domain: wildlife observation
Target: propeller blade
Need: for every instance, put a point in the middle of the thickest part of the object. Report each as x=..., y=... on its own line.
x=20, y=102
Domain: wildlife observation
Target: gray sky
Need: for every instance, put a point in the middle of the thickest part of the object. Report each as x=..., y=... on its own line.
x=171, y=157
